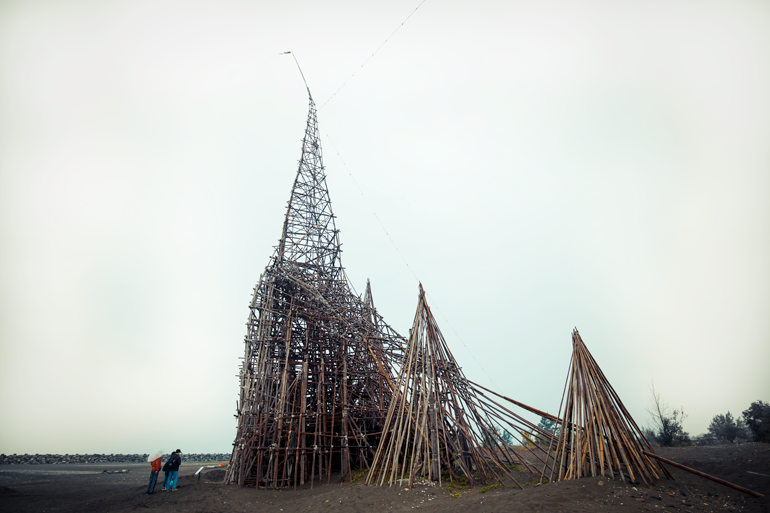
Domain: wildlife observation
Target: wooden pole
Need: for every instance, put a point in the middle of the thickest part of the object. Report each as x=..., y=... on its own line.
x=703, y=474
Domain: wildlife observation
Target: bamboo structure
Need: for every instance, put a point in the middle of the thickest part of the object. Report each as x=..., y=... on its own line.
x=314, y=378
x=440, y=426
x=598, y=436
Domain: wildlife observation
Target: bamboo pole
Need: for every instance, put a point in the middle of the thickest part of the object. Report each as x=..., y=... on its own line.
x=704, y=475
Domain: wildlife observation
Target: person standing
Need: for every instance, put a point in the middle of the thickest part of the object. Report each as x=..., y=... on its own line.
x=154, y=471
x=173, y=466
x=167, y=473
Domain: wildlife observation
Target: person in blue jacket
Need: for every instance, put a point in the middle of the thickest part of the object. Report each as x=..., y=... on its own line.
x=167, y=473
x=173, y=466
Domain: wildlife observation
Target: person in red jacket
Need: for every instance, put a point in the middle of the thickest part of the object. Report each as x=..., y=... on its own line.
x=155, y=470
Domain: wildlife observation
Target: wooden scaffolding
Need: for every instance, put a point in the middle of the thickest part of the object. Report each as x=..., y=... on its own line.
x=313, y=381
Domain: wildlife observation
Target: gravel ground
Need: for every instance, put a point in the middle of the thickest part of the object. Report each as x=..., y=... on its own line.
x=85, y=488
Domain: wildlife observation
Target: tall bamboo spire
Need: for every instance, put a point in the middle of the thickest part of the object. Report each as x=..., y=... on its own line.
x=309, y=234
x=312, y=394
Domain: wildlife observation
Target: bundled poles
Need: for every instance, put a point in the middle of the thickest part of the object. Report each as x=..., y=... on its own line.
x=598, y=436
x=440, y=426
x=317, y=357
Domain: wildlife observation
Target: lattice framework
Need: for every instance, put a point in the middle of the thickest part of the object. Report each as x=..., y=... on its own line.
x=313, y=381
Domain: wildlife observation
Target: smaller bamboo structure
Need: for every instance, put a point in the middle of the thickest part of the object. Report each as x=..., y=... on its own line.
x=441, y=426
x=598, y=435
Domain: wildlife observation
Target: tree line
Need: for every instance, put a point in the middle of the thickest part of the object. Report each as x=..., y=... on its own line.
x=667, y=428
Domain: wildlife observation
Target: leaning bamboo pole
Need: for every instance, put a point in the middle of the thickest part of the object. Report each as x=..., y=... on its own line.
x=704, y=475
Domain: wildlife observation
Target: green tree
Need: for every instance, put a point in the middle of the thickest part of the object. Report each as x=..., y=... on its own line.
x=547, y=424
x=724, y=428
x=492, y=442
x=506, y=436
x=757, y=418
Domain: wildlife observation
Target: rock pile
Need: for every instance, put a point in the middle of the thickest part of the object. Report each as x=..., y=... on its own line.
x=56, y=459
x=217, y=456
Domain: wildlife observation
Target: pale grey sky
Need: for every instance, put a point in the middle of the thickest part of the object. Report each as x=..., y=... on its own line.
x=540, y=166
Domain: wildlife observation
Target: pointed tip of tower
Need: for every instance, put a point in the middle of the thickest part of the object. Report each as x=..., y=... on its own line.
x=309, y=232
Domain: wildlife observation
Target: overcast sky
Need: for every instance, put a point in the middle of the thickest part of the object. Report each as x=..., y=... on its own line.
x=538, y=165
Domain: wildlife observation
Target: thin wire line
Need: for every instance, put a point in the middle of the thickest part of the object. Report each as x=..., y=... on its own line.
x=462, y=342
x=372, y=55
x=328, y=137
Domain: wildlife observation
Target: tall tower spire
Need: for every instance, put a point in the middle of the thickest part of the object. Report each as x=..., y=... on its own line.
x=310, y=236
x=313, y=383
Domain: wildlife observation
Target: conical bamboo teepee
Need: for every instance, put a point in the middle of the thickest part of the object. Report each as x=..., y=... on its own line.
x=440, y=426
x=598, y=435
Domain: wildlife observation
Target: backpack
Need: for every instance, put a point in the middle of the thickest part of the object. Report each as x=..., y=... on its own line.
x=165, y=465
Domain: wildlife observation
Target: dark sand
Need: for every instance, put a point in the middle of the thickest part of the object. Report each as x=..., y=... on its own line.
x=83, y=487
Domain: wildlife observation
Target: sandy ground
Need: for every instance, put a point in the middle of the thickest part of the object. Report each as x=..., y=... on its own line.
x=84, y=487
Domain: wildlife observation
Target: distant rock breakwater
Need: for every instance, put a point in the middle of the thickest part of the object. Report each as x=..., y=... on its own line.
x=56, y=459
